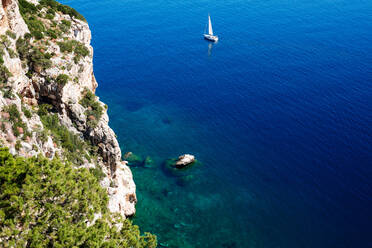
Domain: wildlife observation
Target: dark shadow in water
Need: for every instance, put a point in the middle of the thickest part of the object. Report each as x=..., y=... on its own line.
x=133, y=106
x=166, y=120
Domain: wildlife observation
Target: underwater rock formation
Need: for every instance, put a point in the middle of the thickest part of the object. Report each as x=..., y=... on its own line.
x=133, y=159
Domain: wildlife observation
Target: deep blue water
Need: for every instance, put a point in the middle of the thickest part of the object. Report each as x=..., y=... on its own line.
x=278, y=112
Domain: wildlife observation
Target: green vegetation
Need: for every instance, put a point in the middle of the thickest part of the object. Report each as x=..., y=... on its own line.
x=11, y=34
x=36, y=59
x=73, y=144
x=18, y=145
x=66, y=23
x=26, y=112
x=39, y=60
x=18, y=126
x=4, y=41
x=94, y=109
x=51, y=12
x=11, y=52
x=40, y=25
x=97, y=173
x=79, y=49
x=62, y=79
x=56, y=6
x=8, y=93
x=76, y=149
x=48, y=203
x=52, y=33
x=4, y=72
x=29, y=13
x=36, y=27
x=44, y=109
x=15, y=119
x=65, y=26
x=26, y=7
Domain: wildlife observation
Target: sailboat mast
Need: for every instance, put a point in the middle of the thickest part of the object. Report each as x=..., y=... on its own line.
x=210, y=30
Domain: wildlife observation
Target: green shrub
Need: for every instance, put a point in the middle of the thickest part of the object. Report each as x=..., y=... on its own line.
x=26, y=7
x=23, y=46
x=27, y=36
x=30, y=15
x=49, y=16
x=62, y=79
x=39, y=59
x=73, y=144
x=15, y=119
x=79, y=49
x=33, y=56
x=43, y=135
x=98, y=173
x=27, y=112
x=11, y=34
x=5, y=41
x=36, y=27
x=18, y=145
x=11, y=52
x=5, y=74
x=66, y=23
x=44, y=109
x=51, y=11
x=52, y=33
x=48, y=203
x=7, y=92
x=13, y=112
x=66, y=46
x=94, y=109
x=65, y=26
x=67, y=10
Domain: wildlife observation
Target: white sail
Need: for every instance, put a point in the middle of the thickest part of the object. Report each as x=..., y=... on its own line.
x=210, y=30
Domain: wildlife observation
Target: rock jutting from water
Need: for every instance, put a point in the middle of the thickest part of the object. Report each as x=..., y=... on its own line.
x=180, y=166
x=184, y=161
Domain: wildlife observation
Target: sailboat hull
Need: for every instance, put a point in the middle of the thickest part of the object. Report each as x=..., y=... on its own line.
x=211, y=37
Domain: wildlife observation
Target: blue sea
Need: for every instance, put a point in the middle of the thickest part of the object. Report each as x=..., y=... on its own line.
x=278, y=114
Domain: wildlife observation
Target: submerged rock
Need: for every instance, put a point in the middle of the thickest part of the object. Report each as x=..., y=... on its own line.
x=149, y=162
x=133, y=159
x=185, y=180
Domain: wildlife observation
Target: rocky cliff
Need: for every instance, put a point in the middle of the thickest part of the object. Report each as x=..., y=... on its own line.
x=47, y=99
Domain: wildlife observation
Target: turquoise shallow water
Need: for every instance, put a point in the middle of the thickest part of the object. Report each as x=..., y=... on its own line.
x=278, y=113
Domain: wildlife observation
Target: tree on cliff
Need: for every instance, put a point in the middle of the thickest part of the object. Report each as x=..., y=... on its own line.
x=47, y=203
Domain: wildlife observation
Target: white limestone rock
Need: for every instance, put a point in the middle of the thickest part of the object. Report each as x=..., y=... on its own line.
x=123, y=197
x=185, y=160
x=11, y=18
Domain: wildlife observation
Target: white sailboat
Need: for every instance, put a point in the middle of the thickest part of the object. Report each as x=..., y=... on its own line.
x=210, y=35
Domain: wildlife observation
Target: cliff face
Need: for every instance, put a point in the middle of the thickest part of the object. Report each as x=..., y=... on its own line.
x=47, y=95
